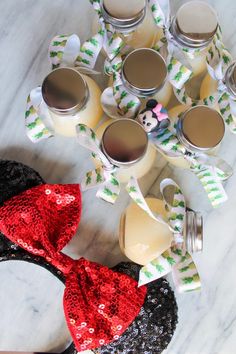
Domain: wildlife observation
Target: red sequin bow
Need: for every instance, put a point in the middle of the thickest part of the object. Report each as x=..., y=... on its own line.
x=99, y=303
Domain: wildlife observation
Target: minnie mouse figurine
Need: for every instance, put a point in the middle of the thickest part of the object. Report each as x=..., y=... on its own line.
x=154, y=117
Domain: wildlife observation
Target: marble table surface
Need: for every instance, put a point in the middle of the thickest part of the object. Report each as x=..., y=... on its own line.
x=31, y=298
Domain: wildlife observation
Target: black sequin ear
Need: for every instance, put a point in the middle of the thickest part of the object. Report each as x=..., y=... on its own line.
x=153, y=328
x=14, y=179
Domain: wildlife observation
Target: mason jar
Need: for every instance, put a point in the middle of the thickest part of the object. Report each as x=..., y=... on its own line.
x=71, y=99
x=200, y=129
x=125, y=144
x=142, y=238
x=132, y=20
x=193, y=28
x=144, y=74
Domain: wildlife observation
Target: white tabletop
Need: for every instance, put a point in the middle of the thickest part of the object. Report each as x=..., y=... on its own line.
x=207, y=320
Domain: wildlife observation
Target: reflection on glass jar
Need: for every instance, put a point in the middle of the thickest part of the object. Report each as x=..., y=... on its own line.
x=132, y=20
x=71, y=98
x=142, y=238
x=125, y=143
x=200, y=130
x=193, y=28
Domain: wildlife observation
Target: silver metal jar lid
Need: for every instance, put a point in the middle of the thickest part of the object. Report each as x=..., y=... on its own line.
x=200, y=128
x=230, y=79
x=195, y=24
x=65, y=91
x=124, y=142
x=124, y=15
x=193, y=231
x=144, y=72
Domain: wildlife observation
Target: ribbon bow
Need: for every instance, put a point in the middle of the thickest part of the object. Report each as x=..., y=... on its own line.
x=105, y=174
x=218, y=60
x=65, y=51
x=211, y=171
x=116, y=101
x=179, y=68
x=175, y=259
x=99, y=303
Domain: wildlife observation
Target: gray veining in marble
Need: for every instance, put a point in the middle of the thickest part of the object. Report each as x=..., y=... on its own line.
x=207, y=320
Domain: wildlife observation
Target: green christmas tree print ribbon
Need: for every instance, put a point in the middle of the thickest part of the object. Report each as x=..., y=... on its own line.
x=116, y=100
x=218, y=60
x=103, y=176
x=211, y=171
x=179, y=67
x=174, y=259
x=65, y=51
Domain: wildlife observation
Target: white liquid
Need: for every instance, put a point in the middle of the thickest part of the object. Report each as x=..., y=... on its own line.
x=198, y=62
x=209, y=87
x=142, y=238
x=140, y=168
x=90, y=115
x=145, y=35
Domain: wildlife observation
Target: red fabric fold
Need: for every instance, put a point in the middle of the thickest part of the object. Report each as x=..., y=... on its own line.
x=99, y=303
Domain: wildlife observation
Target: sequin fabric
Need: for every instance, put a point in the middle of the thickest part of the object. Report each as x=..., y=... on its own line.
x=99, y=303
x=153, y=328
x=16, y=178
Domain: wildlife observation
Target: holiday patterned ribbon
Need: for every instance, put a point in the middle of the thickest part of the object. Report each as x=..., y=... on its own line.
x=64, y=51
x=218, y=60
x=175, y=259
x=179, y=68
x=211, y=171
x=103, y=176
x=116, y=100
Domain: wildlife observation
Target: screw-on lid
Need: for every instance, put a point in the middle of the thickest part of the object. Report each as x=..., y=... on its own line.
x=65, y=91
x=193, y=231
x=195, y=24
x=200, y=128
x=124, y=142
x=144, y=72
x=124, y=15
x=230, y=79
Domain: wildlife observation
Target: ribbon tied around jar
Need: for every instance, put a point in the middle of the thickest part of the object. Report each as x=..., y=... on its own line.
x=210, y=170
x=218, y=61
x=104, y=175
x=175, y=259
x=64, y=51
x=179, y=68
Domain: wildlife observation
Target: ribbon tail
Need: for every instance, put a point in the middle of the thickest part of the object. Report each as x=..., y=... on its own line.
x=93, y=178
x=228, y=105
x=179, y=73
x=90, y=50
x=185, y=275
x=35, y=116
x=110, y=190
x=63, y=50
x=212, y=185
